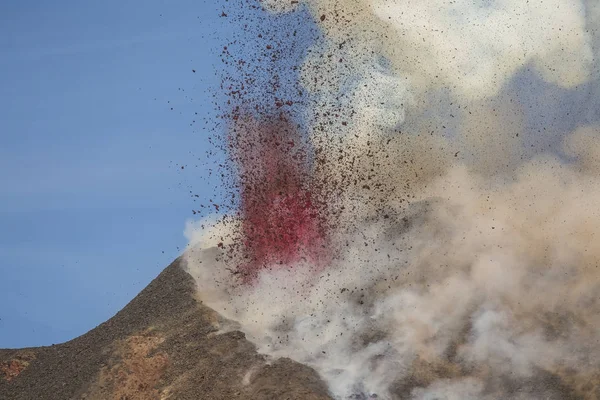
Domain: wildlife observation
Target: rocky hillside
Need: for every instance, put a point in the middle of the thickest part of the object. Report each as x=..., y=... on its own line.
x=163, y=345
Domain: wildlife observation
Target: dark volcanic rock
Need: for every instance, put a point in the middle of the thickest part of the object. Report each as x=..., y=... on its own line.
x=163, y=345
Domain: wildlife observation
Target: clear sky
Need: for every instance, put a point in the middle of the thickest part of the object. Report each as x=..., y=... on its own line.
x=93, y=200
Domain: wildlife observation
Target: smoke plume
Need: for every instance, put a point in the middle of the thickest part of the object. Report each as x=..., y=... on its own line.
x=433, y=234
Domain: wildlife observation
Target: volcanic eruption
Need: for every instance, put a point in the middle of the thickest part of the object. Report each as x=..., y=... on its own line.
x=283, y=220
x=412, y=210
x=422, y=223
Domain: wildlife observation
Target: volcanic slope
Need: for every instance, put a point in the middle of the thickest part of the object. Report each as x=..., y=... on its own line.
x=164, y=344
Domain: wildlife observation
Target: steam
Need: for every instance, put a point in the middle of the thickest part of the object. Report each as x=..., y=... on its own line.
x=466, y=264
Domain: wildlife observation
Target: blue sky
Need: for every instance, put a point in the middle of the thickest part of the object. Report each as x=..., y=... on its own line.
x=91, y=191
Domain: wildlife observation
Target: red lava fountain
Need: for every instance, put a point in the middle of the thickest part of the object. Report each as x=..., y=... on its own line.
x=282, y=217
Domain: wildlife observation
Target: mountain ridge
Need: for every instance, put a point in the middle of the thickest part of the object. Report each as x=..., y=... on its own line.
x=164, y=344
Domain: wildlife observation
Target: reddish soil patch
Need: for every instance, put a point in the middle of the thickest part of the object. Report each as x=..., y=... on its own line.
x=139, y=369
x=12, y=368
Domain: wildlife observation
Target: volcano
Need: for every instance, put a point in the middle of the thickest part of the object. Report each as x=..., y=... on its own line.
x=165, y=344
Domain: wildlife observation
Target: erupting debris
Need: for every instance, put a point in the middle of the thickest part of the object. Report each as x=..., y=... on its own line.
x=283, y=219
x=412, y=223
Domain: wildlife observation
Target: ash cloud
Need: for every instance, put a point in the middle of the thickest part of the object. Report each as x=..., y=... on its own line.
x=463, y=226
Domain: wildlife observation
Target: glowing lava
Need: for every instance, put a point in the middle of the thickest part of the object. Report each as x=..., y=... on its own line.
x=282, y=218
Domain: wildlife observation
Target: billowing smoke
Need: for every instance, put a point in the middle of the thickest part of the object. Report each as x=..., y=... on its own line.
x=435, y=234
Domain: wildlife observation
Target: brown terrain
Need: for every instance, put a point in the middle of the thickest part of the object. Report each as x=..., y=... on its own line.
x=164, y=344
